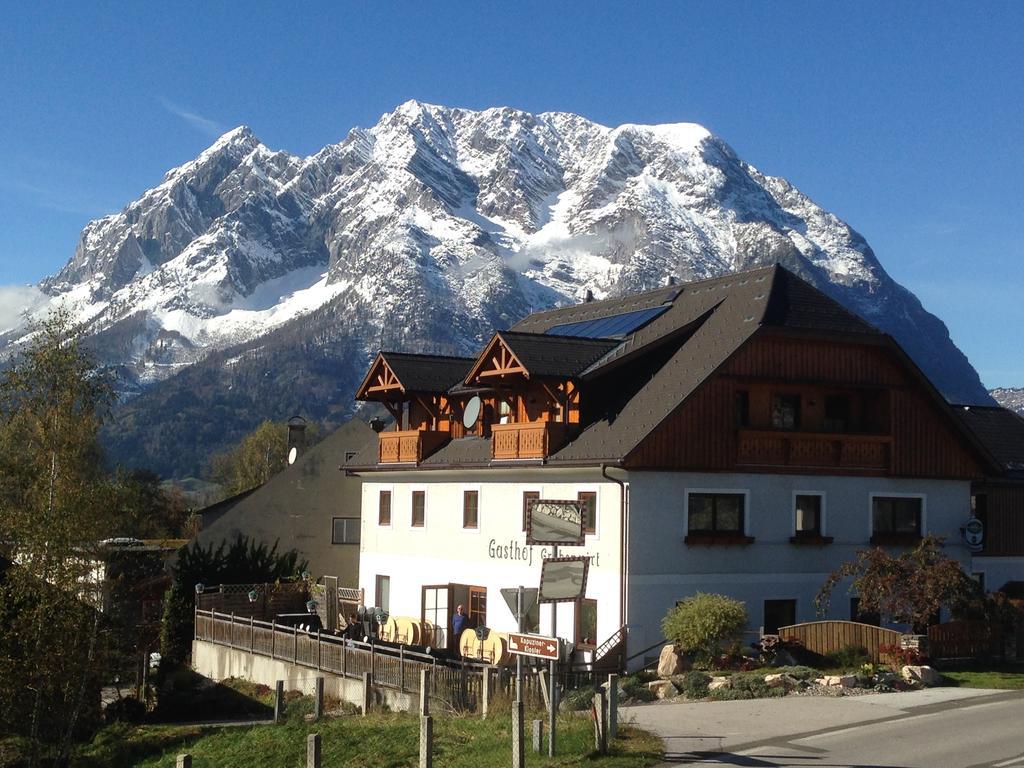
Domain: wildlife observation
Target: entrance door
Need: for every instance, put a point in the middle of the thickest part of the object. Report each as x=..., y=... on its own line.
x=437, y=611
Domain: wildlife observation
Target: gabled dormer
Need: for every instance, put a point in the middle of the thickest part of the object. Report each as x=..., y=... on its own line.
x=414, y=390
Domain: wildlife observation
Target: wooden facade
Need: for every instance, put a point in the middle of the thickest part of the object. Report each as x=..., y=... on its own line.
x=888, y=423
x=1001, y=508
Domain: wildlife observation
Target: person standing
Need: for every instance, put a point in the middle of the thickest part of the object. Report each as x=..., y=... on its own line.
x=459, y=622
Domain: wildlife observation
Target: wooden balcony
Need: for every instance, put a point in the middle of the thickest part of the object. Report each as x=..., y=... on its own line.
x=409, y=446
x=814, y=450
x=530, y=440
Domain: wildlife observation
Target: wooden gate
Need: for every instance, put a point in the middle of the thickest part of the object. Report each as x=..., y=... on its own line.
x=824, y=637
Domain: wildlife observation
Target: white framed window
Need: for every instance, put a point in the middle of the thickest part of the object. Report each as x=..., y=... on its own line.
x=471, y=509
x=809, y=514
x=385, y=507
x=345, y=530
x=897, y=517
x=418, y=508
x=717, y=512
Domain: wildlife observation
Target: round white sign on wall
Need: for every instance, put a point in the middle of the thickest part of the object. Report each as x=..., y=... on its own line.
x=293, y=454
x=974, y=533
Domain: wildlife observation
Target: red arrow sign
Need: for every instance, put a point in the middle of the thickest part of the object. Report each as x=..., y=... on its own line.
x=533, y=645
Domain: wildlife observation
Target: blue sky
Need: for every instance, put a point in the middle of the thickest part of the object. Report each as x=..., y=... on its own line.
x=905, y=119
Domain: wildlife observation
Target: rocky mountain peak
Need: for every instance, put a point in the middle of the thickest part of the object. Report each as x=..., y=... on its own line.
x=431, y=228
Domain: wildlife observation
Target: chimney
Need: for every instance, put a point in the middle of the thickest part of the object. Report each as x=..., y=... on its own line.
x=588, y=296
x=296, y=438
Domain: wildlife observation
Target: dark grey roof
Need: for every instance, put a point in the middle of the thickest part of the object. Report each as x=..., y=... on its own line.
x=1000, y=432
x=562, y=356
x=715, y=317
x=465, y=450
x=427, y=373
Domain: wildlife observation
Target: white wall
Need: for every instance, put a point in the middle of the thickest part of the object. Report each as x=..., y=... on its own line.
x=998, y=570
x=493, y=556
x=663, y=569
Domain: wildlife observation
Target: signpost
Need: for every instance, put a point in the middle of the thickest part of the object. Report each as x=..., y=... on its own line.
x=554, y=522
x=538, y=646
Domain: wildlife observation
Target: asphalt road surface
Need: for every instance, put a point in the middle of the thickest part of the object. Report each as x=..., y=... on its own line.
x=942, y=730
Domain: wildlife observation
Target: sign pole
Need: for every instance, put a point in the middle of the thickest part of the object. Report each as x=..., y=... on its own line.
x=519, y=659
x=552, y=693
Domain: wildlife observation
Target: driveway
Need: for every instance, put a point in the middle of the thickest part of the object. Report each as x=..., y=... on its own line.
x=932, y=728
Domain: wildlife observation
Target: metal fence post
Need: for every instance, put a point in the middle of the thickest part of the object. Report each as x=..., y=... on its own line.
x=401, y=668
x=538, y=735
x=426, y=741
x=367, y=692
x=295, y=644
x=273, y=639
x=279, y=701
x=424, y=692
x=318, y=648
x=318, y=704
x=600, y=724
x=613, y=706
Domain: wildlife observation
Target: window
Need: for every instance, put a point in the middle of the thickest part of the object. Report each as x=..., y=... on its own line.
x=895, y=519
x=778, y=613
x=808, y=514
x=470, y=509
x=528, y=496
x=477, y=607
x=786, y=411
x=345, y=530
x=384, y=508
x=742, y=408
x=586, y=624
x=382, y=589
x=588, y=506
x=715, y=513
x=837, y=413
x=419, y=508
x=864, y=617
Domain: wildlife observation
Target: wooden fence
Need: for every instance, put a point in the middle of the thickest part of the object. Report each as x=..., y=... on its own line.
x=823, y=637
x=458, y=683
x=271, y=599
x=965, y=640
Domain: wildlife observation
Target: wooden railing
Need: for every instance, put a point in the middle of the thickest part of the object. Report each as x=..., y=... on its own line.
x=409, y=446
x=824, y=637
x=810, y=450
x=528, y=440
x=457, y=683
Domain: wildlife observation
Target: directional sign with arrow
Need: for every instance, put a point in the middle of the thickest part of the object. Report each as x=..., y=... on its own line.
x=533, y=645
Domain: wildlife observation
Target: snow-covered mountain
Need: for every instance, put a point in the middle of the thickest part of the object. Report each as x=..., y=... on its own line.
x=430, y=229
x=1010, y=397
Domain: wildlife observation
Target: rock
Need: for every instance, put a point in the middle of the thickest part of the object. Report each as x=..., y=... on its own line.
x=669, y=691
x=838, y=681
x=670, y=663
x=718, y=683
x=660, y=687
x=920, y=674
x=780, y=680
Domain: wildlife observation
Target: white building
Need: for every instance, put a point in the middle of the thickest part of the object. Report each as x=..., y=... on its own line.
x=743, y=435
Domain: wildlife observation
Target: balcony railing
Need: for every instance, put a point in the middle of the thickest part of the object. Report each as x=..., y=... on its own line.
x=529, y=440
x=812, y=450
x=409, y=446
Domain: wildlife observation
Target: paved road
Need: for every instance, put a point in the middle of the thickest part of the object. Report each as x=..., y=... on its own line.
x=936, y=728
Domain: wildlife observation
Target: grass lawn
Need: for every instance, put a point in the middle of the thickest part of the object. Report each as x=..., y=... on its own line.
x=1007, y=677
x=383, y=740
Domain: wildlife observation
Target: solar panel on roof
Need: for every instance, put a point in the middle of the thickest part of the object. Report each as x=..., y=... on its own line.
x=613, y=326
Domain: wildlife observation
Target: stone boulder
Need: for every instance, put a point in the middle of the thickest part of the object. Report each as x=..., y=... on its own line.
x=671, y=663
x=838, y=681
x=780, y=680
x=920, y=674
x=718, y=683
x=660, y=688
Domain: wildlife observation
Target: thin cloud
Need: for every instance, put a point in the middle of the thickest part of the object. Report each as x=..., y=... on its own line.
x=202, y=124
x=16, y=301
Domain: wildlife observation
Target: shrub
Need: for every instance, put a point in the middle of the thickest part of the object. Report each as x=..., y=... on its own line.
x=702, y=624
x=635, y=687
x=694, y=685
x=579, y=699
x=849, y=656
x=746, y=685
x=899, y=655
x=127, y=710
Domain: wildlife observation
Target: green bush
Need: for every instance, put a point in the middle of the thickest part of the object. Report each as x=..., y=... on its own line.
x=746, y=685
x=578, y=699
x=849, y=657
x=704, y=623
x=635, y=687
x=694, y=685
